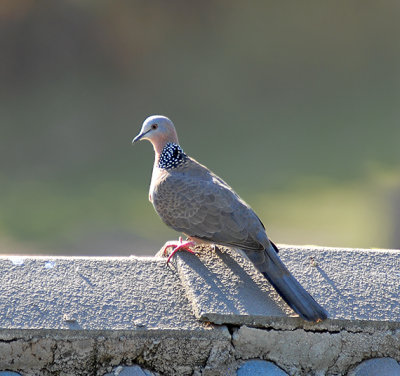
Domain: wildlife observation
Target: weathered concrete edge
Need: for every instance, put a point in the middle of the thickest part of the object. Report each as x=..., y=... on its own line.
x=293, y=323
x=217, y=333
x=46, y=352
x=95, y=352
x=301, y=352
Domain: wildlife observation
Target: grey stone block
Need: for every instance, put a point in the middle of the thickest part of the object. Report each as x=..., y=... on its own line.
x=358, y=287
x=62, y=314
x=223, y=288
x=99, y=293
x=260, y=368
x=377, y=366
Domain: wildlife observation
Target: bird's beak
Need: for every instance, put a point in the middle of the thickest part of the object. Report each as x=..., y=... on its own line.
x=139, y=136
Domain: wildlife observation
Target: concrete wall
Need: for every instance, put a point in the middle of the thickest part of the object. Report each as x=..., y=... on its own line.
x=210, y=314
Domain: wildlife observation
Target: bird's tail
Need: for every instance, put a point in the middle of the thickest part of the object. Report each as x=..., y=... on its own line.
x=271, y=266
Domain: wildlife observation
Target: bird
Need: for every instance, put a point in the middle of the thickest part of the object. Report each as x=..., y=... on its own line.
x=191, y=199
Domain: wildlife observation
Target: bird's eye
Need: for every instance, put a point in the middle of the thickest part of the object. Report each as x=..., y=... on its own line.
x=154, y=126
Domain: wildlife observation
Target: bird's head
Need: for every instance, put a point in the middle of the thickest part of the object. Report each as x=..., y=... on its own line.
x=159, y=130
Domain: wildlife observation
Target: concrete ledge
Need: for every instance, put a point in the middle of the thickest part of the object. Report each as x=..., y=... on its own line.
x=202, y=315
x=359, y=288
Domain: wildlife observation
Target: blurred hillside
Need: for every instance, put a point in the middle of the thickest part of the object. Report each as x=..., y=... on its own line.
x=295, y=105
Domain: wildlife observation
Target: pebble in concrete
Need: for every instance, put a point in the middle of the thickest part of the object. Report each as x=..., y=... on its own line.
x=260, y=368
x=378, y=366
x=129, y=371
x=9, y=373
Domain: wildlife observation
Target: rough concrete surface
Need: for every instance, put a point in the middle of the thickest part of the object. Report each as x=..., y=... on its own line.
x=358, y=288
x=92, y=294
x=76, y=315
x=300, y=352
x=224, y=288
x=88, y=316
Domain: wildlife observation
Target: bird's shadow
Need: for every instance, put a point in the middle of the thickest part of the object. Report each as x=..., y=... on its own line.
x=234, y=291
x=332, y=284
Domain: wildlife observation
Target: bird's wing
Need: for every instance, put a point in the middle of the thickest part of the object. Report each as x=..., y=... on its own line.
x=201, y=205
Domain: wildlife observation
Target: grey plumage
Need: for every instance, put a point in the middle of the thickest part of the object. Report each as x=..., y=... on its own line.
x=191, y=199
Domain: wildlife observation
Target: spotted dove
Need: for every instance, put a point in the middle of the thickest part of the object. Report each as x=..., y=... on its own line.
x=193, y=200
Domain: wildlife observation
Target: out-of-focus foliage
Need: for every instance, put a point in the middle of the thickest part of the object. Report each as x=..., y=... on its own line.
x=296, y=105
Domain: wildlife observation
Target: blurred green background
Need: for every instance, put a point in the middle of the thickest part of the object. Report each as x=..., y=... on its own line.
x=295, y=104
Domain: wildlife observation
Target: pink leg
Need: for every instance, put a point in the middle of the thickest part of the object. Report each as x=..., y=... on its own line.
x=177, y=247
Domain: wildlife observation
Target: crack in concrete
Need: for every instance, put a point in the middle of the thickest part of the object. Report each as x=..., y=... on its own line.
x=11, y=340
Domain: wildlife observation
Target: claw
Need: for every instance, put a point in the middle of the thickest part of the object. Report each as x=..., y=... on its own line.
x=177, y=247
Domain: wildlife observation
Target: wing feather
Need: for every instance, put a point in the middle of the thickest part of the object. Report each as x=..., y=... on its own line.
x=196, y=202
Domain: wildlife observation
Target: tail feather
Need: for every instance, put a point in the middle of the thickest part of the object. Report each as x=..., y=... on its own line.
x=287, y=286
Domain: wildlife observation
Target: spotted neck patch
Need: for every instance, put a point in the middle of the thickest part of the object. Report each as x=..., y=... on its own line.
x=171, y=156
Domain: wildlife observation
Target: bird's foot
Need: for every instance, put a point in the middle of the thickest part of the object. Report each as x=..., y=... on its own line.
x=181, y=245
